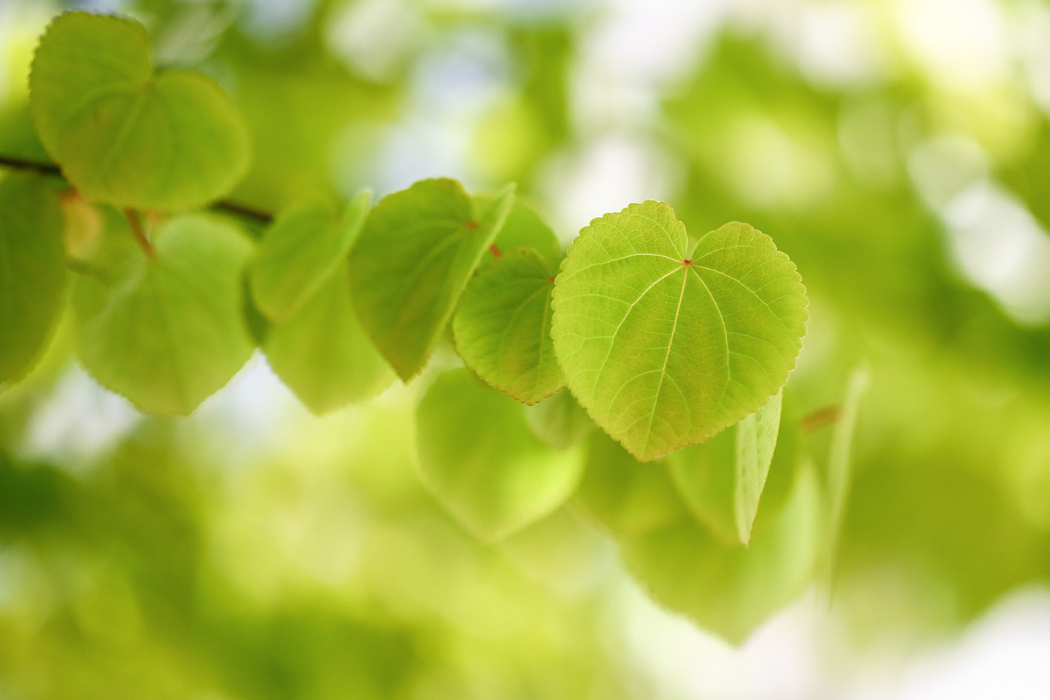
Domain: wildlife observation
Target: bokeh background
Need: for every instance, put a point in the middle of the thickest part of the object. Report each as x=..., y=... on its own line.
x=898, y=150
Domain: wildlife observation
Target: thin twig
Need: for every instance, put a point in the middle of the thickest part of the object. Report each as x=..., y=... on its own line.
x=33, y=165
x=224, y=206
x=140, y=235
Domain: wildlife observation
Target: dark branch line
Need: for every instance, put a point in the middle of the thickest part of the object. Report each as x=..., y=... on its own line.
x=226, y=207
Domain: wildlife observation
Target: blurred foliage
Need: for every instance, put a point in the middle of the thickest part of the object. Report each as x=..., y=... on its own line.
x=254, y=551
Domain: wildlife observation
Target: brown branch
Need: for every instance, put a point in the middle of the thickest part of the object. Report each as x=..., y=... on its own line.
x=223, y=206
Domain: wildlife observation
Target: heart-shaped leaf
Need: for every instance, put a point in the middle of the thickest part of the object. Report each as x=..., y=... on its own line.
x=482, y=463
x=666, y=345
x=165, y=332
x=323, y=354
x=301, y=250
x=502, y=326
x=32, y=271
x=124, y=133
x=722, y=478
x=414, y=257
x=727, y=589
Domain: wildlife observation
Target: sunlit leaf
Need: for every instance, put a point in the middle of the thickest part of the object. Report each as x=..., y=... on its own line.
x=32, y=272
x=301, y=250
x=722, y=478
x=414, y=257
x=482, y=463
x=323, y=354
x=165, y=332
x=666, y=344
x=125, y=133
x=502, y=326
x=559, y=420
x=729, y=590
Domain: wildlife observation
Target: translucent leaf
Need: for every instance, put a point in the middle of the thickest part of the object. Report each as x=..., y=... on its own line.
x=722, y=478
x=665, y=346
x=502, y=326
x=32, y=271
x=124, y=133
x=323, y=354
x=482, y=463
x=559, y=420
x=301, y=250
x=729, y=590
x=165, y=332
x=525, y=229
x=414, y=257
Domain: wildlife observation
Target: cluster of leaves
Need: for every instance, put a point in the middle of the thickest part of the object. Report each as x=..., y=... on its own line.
x=664, y=342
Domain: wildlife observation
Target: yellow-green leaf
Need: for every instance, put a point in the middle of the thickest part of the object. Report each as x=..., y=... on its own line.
x=666, y=343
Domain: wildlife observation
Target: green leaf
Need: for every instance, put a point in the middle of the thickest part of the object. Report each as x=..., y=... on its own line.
x=729, y=590
x=124, y=133
x=665, y=346
x=323, y=354
x=482, y=463
x=722, y=478
x=300, y=251
x=165, y=332
x=502, y=326
x=840, y=470
x=559, y=420
x=32, y=272
x=525, y=229
x=412, y=261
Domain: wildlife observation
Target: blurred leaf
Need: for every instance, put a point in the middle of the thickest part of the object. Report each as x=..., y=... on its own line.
x=482, y=463
x=32, y=497
x=502, y=326
x=125, y=134
x=32, y=272
x=722, y=478
x=559, y=420
x=300, y=251
x=726, y=589
x=165, y=332
x=323, y=354
x=412, y=261
x=665, y=346
x=840, y=467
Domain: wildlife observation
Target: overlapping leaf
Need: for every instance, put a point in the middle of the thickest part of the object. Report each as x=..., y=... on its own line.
x=666, y=345
x=727, y=589
x=301, y=250
x=411, y=262
x=525, y=229
x=124, y=133
x=481, y=461
x=559, y=420
x=32, y=271
x=323, y=354
x=165, y=332
x=722, y=478
x=502, y=326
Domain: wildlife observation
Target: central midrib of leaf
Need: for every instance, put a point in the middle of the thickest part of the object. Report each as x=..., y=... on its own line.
x=458, y=230
x=514, y=320
x=684, y=266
